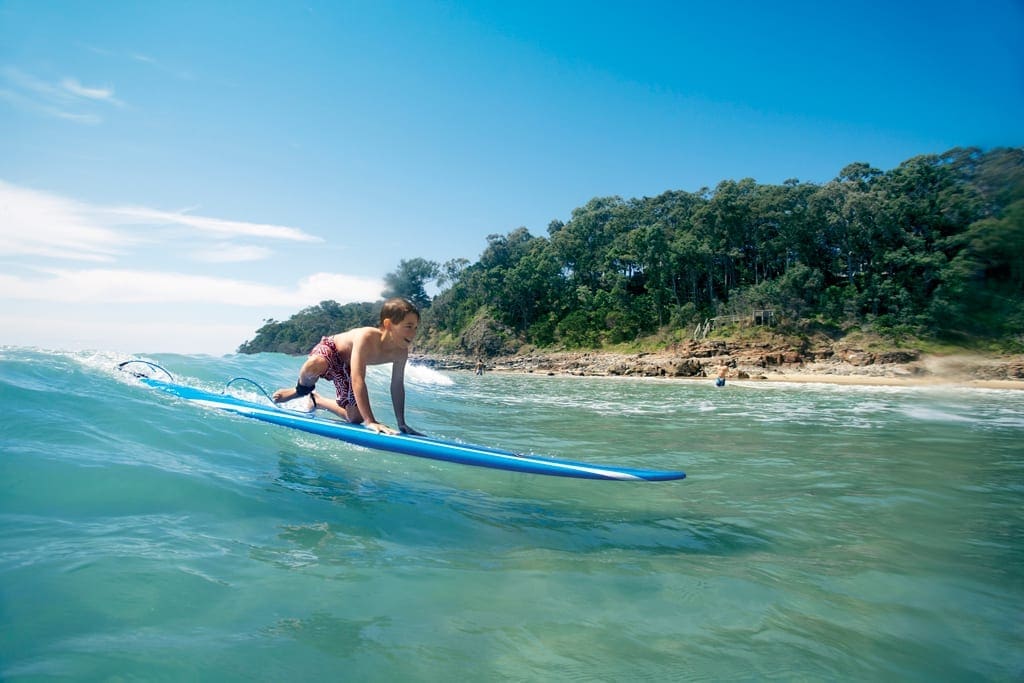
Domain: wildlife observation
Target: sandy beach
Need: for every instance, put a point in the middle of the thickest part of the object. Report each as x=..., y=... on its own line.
x=874, y=380
x=987, y=372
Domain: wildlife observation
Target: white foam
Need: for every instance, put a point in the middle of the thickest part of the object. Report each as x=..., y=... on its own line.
x=421, y=374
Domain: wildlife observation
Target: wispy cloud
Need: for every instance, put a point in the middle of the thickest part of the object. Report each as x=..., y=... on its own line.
x=38, y=229
x=34, y=223
x=217, y=226
x=72, y=86
x=179, y=74
x=66, y=99
x=140, y=58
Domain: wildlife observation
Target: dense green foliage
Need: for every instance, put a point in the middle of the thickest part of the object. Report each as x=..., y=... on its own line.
x=933, y=248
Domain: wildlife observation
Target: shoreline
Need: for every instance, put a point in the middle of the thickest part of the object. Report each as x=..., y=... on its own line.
x=970, y=371
x=862, y=380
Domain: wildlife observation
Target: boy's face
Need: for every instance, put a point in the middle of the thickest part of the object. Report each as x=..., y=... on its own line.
x=405, y=331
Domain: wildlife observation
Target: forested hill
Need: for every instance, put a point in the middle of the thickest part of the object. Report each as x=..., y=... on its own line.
x=932, y=248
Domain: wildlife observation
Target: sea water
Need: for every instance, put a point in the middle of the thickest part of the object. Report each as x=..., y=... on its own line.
x=823, y=533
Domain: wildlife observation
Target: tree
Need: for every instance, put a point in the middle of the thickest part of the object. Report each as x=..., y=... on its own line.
x=580, y=244
x=451, y=270
x=410, y=281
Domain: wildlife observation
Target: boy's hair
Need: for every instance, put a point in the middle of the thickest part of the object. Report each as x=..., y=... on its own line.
x=396, y=309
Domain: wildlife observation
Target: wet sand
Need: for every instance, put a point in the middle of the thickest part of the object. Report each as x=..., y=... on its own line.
x=885, y=381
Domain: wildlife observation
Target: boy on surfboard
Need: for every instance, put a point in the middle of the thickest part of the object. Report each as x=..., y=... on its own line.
x=342, y=358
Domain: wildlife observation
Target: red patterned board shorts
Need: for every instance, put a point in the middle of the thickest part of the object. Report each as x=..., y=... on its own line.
x=338, y=371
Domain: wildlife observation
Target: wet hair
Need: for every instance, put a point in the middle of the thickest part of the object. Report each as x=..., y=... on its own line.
x=396, y=309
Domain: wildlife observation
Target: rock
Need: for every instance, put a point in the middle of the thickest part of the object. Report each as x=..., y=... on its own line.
x=856, y=357
x=901, y=357
x=689, y=367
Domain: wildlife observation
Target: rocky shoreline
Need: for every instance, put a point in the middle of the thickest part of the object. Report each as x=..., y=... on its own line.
x=836, y=363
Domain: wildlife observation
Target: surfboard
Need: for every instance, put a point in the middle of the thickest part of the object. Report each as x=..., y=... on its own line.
x=419, y=446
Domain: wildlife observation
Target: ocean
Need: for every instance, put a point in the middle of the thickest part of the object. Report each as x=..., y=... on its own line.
x=824, y=532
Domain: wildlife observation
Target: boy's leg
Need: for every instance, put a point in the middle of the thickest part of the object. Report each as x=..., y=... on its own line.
x=330, y=405
x=311, y=370
x=352, y=414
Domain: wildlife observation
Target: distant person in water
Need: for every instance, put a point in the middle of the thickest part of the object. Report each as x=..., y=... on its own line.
x=479, y=366
x=723, y=370
x=342, y=358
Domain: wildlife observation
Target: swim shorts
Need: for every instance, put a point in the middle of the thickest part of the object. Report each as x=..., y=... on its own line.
x=338, y=371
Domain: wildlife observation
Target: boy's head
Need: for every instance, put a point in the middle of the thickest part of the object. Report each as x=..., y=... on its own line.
x=396, y=309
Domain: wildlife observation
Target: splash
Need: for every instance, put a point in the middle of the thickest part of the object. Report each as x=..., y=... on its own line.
x=421, y=374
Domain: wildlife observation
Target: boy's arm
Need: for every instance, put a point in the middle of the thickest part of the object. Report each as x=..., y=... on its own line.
x=398, y=395
x=362, y=394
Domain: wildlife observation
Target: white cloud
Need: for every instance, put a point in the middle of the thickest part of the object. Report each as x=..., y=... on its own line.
x=341, y=288
x=70, y=267
x=111, y=286
x=41, y=224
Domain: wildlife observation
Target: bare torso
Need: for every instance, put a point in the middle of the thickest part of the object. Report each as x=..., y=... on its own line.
x=369, y=346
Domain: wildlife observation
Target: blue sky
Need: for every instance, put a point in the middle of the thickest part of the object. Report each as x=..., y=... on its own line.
x=172, y=173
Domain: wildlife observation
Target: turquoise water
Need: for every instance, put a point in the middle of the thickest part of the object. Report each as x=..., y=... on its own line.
x=824, y=532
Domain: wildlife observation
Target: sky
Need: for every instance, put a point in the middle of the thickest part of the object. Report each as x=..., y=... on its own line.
x=175, y=172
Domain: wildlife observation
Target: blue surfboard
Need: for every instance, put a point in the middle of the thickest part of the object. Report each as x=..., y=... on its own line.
x=419, y=446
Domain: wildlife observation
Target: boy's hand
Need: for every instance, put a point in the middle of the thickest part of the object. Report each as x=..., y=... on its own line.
x=381, y=428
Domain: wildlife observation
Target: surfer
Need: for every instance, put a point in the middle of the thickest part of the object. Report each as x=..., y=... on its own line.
x=342, y=358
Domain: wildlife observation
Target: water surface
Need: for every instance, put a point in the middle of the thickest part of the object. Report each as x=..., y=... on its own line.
x=823, y=532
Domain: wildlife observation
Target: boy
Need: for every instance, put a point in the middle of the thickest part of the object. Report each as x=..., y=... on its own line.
x=343, y=358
